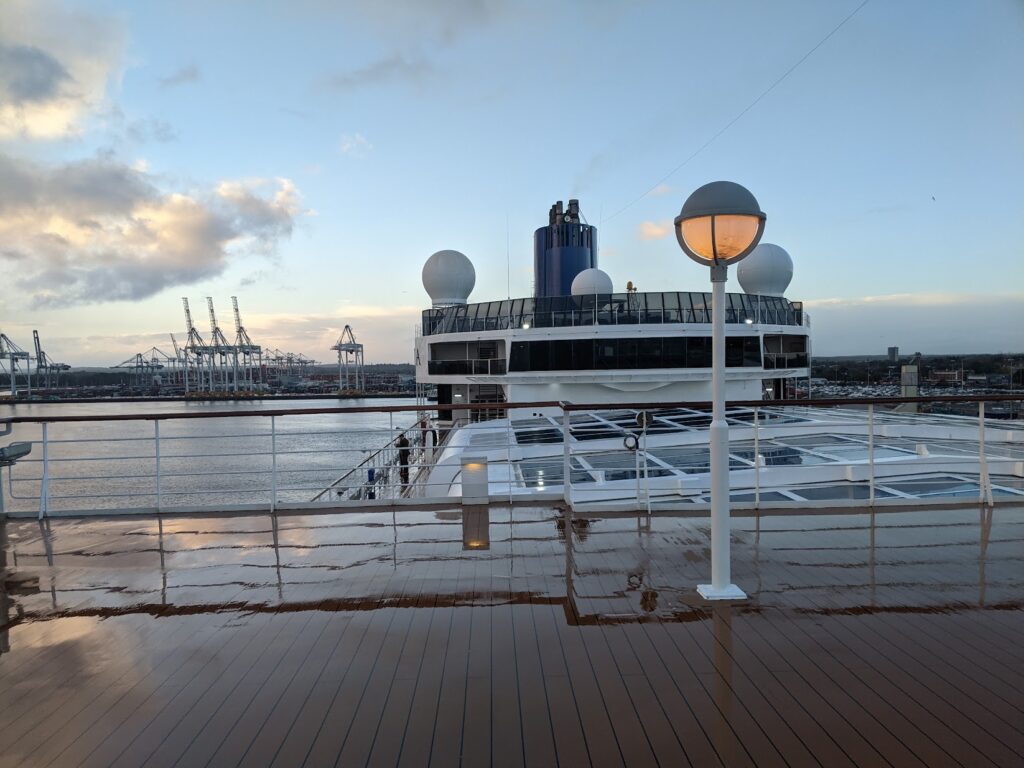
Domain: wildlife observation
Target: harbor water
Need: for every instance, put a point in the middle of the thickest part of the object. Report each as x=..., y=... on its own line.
x=236, y=460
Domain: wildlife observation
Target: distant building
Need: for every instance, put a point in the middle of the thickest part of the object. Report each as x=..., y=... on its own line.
x=894, y=354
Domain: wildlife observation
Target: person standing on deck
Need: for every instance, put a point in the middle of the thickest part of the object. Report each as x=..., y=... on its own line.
x=402, y=443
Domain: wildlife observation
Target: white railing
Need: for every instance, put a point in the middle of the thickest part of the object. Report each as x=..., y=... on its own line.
x=332, y=458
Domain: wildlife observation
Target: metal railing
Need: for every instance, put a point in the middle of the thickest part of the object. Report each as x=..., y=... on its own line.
x=783, y=453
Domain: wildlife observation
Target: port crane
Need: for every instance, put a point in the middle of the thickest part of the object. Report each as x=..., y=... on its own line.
x=11, y=353
x=45, y=366
x=350, y=361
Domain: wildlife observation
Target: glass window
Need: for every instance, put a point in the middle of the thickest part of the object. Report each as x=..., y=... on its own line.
x=733, y=351
x=583, y=354
x=650, y=353
x=539, y=355
x=751, y=352
x=519, y=359
x=674, y=351
x=561, y=355
x=629, y=350
x=698, y=352
x=605, y=353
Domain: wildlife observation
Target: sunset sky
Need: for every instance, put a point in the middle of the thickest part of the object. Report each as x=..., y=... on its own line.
x=309, y=156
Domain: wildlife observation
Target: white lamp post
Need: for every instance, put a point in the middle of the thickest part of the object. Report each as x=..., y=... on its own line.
x=719, y=224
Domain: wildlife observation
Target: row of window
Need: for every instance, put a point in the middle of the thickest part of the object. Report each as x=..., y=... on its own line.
x=608, y=309
x=624, y=354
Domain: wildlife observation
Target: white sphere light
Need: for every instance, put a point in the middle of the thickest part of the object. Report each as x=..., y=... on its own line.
x=591, y=281
x=448, y=277
x=767, y=271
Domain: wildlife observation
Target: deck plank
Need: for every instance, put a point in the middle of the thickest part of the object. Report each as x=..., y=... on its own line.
x=376, y=639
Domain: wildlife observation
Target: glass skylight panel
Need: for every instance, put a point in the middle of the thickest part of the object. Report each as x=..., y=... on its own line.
x=538, y=436
x=861, y=452
x=489, y=439
x=542, y=421
x=846, y=491
x=538, y=473
x=691, y=460
x=621, y=465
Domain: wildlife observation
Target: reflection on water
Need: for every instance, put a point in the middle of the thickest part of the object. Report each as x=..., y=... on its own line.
x=599, y=570
x=202, y=461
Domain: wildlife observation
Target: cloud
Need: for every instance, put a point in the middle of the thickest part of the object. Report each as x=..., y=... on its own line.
x=99, y=230
x=355, y=144
x=932, y=323
x=662, y=189
x=654, y=230
x=183, y=76
x=28, y=75
x=150, y=129
x=55, y=66
x=395, y=68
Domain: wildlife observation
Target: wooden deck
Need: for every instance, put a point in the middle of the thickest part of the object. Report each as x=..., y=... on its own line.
x=438, y=638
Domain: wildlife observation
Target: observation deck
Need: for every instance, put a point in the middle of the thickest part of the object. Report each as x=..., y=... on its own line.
x=609, y=309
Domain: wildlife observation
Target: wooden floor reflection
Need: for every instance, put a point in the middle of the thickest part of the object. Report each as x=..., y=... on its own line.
x=491, y=637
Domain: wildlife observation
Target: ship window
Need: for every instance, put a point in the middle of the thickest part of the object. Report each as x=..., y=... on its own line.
x=519, y=359
x=561, y=355
x=751, y=351
x=583, y=354
x=673, y=352
x=605, y=354
x=698, y=352
x=650, y=353
x=539, y=356
x=628, y=350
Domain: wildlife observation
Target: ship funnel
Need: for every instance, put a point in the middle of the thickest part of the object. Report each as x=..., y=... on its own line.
x=561, y=250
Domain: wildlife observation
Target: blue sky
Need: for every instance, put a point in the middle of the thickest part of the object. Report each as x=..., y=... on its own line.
x=308, y=157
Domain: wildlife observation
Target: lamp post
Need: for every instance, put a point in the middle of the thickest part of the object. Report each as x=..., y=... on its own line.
x=720, y=224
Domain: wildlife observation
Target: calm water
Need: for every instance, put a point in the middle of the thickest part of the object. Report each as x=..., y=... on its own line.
x=202, y=461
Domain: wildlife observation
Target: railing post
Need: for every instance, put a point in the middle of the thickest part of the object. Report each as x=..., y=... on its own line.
x=871, y=455
x=984, y=483
x=44, y=486
x=156, y=441
x=273, y=464
x=757, y=460
x=566, y=464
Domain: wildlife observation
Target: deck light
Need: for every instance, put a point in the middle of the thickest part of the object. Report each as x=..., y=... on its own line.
x=720, y=224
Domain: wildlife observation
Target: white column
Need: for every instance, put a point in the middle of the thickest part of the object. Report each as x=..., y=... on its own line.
x=721, y=586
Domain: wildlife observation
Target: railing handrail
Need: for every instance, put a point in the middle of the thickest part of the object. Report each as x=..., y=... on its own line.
x=815, y=402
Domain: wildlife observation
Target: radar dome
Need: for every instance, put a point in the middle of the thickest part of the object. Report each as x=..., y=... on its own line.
x=767, y=271
x=448, y=277
x=591, y=281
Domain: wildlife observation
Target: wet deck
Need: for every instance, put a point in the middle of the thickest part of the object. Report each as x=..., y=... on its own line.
x=892, y=639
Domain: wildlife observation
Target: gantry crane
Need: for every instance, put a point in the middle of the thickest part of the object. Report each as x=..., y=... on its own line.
x=350, y=361
x=11, y=353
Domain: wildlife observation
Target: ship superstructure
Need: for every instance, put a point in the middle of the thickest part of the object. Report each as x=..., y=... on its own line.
x=579, y=340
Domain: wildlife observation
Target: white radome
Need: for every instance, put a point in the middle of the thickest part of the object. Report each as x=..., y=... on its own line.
x=448, y=277
x=591, y=281
x=767, y=271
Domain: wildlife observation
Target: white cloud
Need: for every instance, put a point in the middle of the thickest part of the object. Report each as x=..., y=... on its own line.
x=654, y=230
x=662, y=189
x=98, y=230
x=55, y=66
x=355, y=144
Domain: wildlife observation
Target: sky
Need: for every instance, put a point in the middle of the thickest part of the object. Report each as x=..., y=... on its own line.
x=308, y=157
